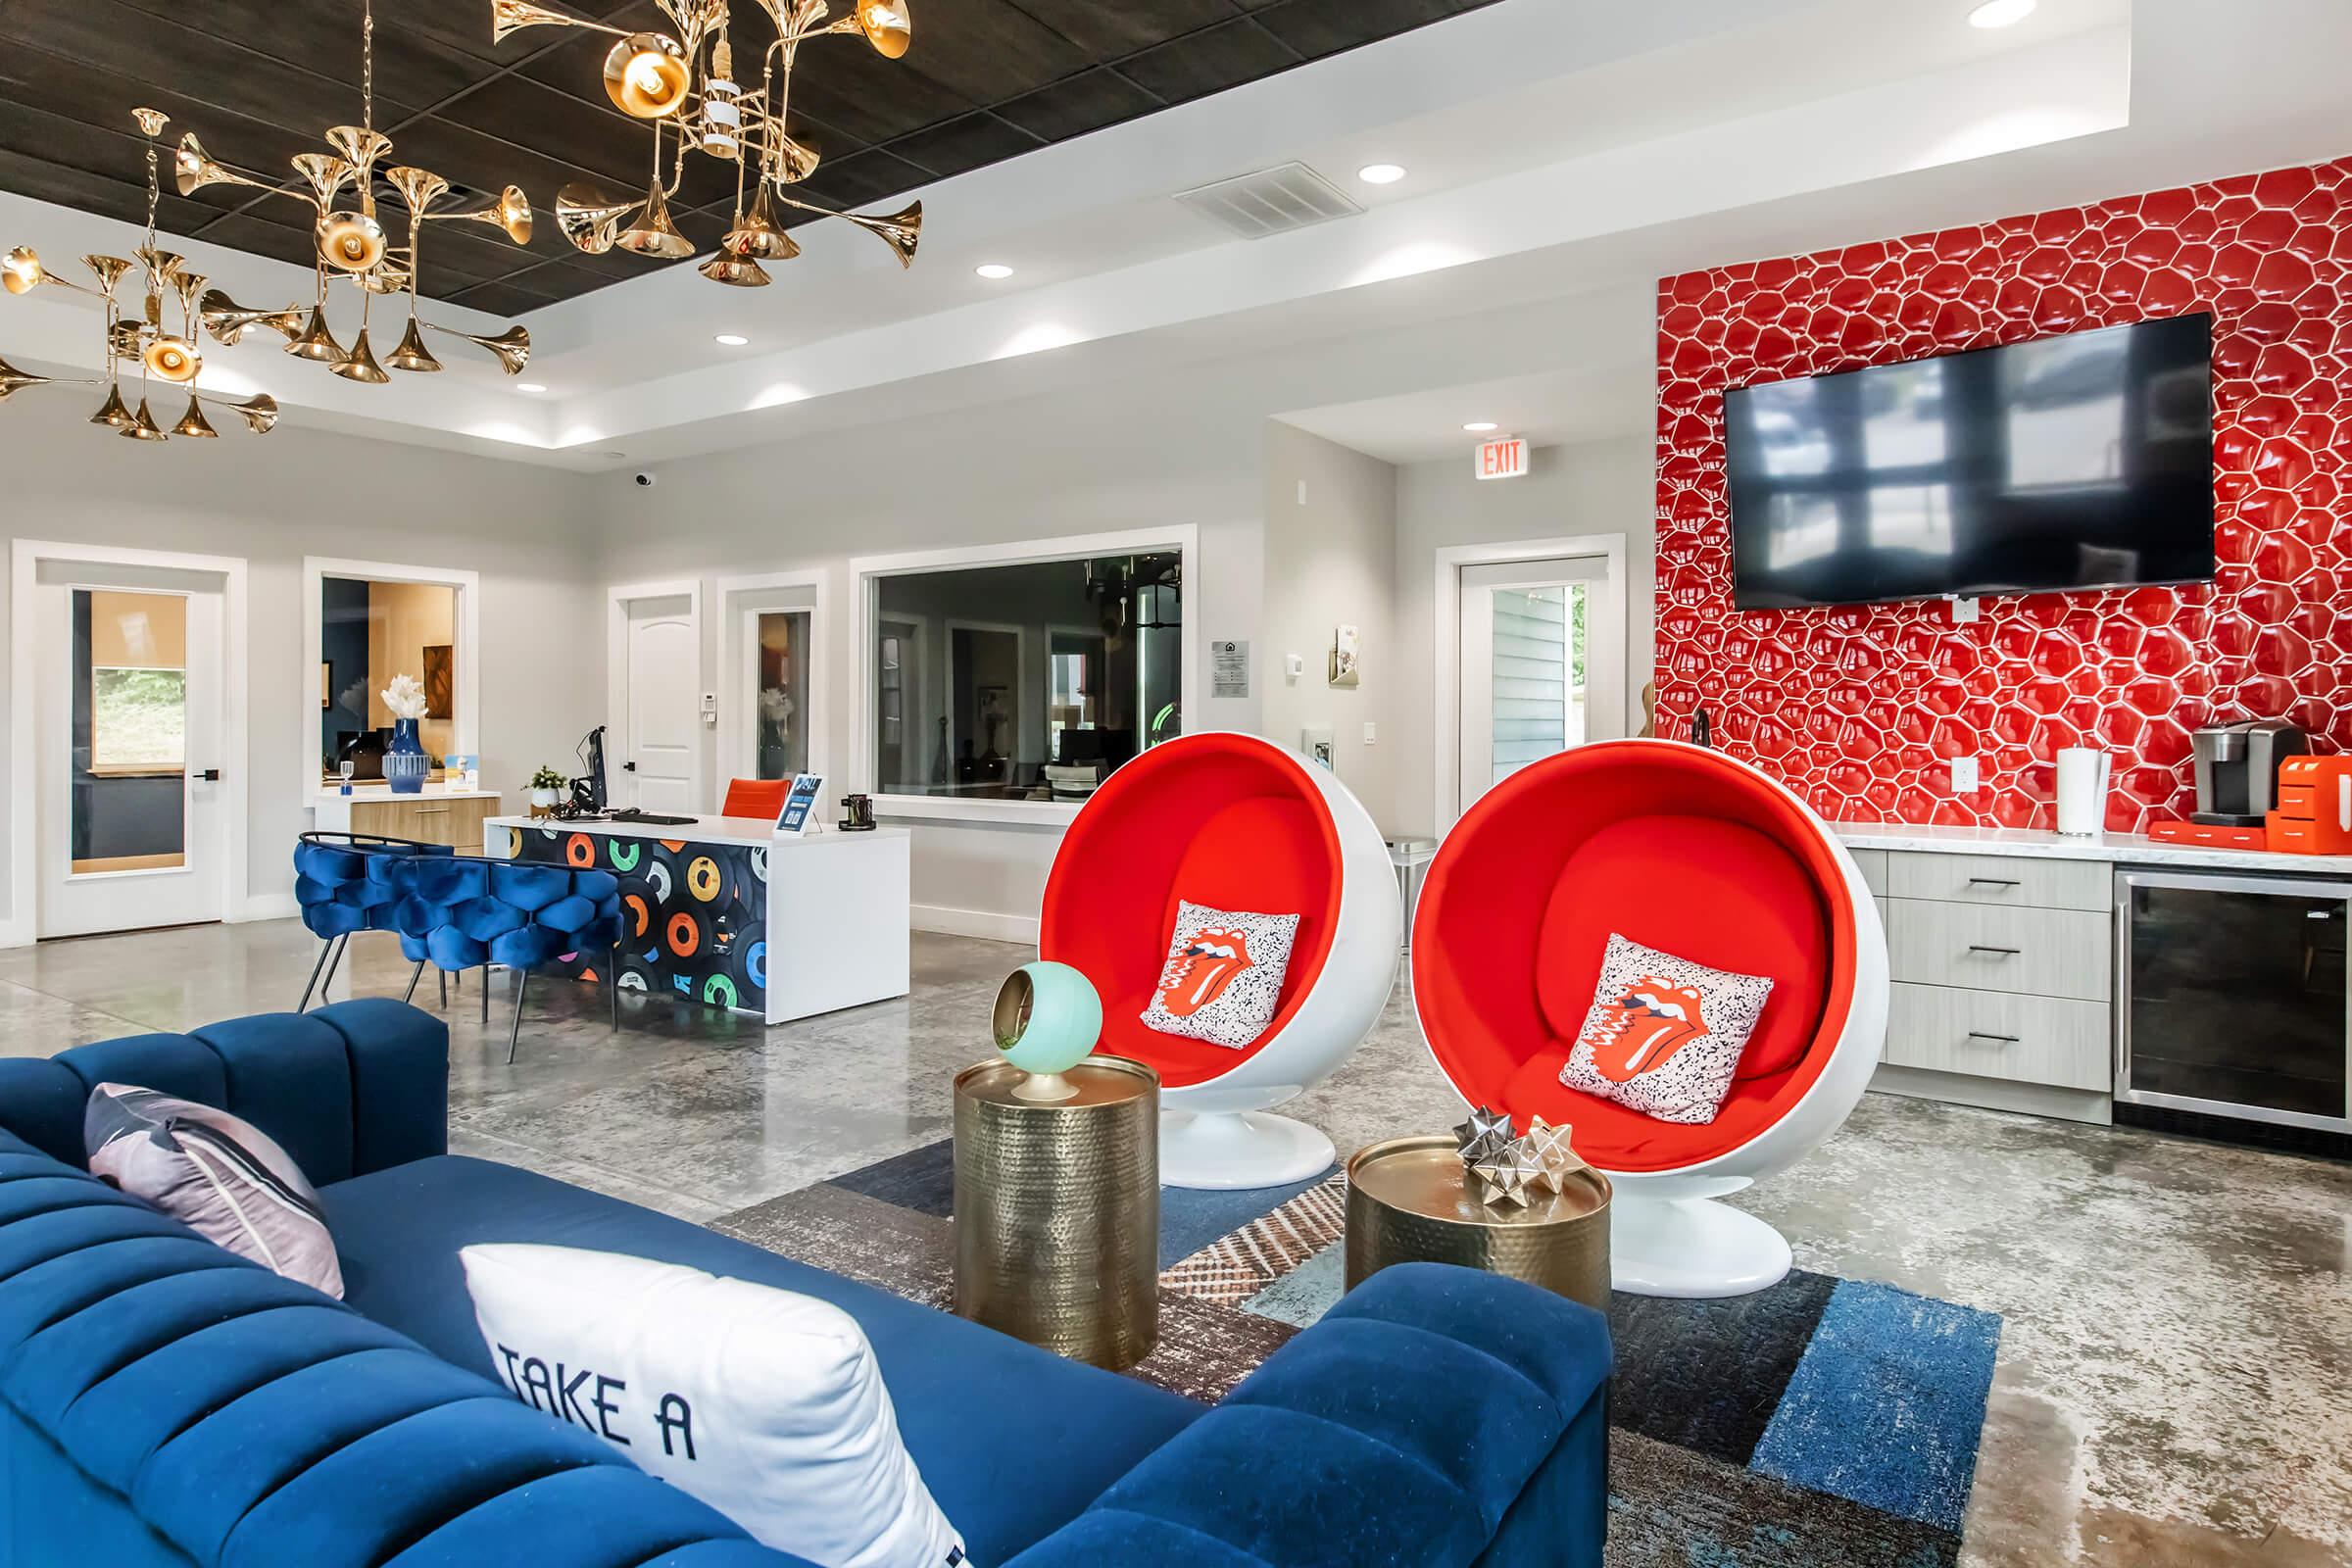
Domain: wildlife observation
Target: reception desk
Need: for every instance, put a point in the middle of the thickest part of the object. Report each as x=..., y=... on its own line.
x=726, y=912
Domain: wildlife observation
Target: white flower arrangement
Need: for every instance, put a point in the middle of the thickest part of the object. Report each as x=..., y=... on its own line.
x=405, y=697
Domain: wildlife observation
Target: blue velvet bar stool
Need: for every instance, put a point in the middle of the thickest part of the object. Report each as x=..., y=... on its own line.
x=465, y=913
x=347, y=882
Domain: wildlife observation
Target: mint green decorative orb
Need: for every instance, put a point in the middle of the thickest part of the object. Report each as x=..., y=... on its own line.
x=1047, y=1018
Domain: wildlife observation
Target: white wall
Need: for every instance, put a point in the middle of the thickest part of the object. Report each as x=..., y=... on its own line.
x=271, y=500
x=1171, y=452
x=1331, y=558
x=1584, y=488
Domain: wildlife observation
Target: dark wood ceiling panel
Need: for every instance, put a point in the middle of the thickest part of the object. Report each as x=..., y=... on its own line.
x=260, y=80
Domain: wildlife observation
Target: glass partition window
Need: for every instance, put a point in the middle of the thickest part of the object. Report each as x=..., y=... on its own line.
x=782, y=717
x=370, y=631
x=1025, y=682
x=130, y=731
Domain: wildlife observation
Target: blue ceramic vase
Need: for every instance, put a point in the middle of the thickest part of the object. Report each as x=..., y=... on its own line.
x=406, y=763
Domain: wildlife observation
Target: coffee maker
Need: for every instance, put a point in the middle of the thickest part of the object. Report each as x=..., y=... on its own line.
x=2237, y=770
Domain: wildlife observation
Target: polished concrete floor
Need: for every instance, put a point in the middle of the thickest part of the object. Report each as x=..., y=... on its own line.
x=2175, y=1383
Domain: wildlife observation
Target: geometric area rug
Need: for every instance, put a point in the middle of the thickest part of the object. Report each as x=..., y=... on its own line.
x=1823, y=1423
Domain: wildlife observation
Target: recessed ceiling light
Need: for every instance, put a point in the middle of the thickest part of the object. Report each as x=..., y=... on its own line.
x=1381, y=173
x=529, y=386
x=1481, y=426
x=2001, y=13
x=733, y=340
x=993, y=270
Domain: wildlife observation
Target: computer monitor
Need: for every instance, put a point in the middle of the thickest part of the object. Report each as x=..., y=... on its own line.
x=592, y=752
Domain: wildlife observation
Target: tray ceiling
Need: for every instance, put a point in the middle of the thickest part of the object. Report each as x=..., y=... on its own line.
x=258, y=80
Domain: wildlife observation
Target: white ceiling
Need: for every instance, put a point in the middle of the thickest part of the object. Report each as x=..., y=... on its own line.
x=1558, y=150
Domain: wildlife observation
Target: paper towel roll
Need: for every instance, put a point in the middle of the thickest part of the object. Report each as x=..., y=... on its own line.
x=2082, y=791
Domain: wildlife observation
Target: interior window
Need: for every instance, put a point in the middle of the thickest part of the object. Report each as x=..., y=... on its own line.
x=1025, y=682
x=368, y=632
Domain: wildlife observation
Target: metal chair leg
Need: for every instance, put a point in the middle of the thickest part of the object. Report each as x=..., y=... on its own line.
x=485, y=994
x=442, y=975
x=522, y=982
x=334, y=960
x=613, y=982
x=415, y=975
x=325, y=947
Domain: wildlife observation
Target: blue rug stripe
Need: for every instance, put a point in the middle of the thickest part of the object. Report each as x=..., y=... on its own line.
x=1888, y=1403
x=1192, y=1217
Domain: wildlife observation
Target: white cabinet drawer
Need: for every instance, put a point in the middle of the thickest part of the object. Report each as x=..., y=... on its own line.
x=2040, y=953
x=2002, y=880
x=1873, y=865
x=1991, y=1034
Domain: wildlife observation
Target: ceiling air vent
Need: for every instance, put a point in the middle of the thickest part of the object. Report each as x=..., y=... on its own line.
x=1272, y=201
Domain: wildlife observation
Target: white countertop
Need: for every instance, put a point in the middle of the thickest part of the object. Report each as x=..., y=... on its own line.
x=377, y=790
x=702, y=830
x=2135, y=848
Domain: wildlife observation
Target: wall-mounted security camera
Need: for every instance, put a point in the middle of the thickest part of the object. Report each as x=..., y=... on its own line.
x=645, y=482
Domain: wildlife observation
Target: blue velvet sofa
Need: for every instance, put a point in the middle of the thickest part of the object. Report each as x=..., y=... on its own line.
x=163, y=1402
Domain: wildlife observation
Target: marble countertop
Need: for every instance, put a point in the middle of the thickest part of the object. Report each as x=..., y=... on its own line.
x=378, y=790
x=2135, y=848
x=702, y=830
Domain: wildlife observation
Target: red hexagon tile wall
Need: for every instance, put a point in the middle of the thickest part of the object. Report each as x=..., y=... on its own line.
x=1861, y=708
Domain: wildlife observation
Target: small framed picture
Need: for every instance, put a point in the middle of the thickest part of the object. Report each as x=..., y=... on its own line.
x=800, y=803
x=1347, y=647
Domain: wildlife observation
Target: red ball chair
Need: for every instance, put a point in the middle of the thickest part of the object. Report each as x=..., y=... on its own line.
x=1695, y=854
x=1235, y=822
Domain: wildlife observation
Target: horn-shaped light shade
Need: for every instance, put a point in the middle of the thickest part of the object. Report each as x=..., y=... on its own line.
x=112, y=411
x=172, y=358
x=799, y=160
x=885, y=23
x=418, y=189
x=259, y=412
x=228, y=321
x=193, y=169
x=512, y=16
x=901, y=230
x=349, y=241
x=739, y=271
x=512, y=346
x=413, y=355
x=653, y=233
x=324, y=173
x=756, y=233
x=511, y=214
x=193, y=424
x=14, y=380
x=143, y=427
x=360, y=364
x=316, y=341
x=589, y=219
x=22, y=271
x=647, y=76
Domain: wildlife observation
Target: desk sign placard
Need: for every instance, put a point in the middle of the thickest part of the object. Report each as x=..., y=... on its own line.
x=801, y=803
x=1505, y=457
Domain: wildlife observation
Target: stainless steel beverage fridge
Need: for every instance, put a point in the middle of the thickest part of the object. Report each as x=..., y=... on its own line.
x=2232, y=998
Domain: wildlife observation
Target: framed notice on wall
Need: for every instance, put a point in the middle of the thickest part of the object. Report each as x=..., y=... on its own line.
x=800, y=804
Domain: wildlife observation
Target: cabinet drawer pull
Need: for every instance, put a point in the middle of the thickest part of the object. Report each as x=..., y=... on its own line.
x=1993, y=882
x=430, y=810
x=2006, y=952
x=1978, y=1034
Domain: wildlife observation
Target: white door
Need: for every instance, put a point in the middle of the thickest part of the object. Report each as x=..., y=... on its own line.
x=660, y=731
x=127, y=726
x=1543, y=663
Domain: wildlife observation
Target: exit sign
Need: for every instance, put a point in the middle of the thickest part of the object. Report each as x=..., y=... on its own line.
x=1505, y=458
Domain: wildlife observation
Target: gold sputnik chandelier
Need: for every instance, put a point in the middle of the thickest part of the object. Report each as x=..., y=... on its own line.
x=141, y=338
x=689, y=83
x=353, y=245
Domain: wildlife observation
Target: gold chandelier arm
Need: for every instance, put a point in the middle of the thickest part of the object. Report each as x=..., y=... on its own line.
x=513, y=347
x=900, y=230
x=512, y=16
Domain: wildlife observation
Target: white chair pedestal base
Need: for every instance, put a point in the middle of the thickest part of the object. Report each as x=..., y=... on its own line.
x=1225, y=1151
x=1691, y=1246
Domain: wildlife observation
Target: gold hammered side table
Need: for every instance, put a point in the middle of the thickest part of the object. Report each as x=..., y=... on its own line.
x=1057, y=1209
x=1410, y=1200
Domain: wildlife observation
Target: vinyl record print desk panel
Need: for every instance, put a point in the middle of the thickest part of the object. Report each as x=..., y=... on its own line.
x=703, y=905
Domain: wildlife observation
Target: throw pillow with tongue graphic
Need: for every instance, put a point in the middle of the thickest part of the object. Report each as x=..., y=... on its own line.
x=1664, y=1033
x=1223, y=978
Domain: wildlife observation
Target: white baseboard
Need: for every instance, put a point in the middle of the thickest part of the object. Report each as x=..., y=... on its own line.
x=270, y=906
x=1996, y=1093
x=1021, y=928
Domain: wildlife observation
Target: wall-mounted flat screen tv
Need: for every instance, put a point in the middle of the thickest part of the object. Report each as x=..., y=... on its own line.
x=2077, y=462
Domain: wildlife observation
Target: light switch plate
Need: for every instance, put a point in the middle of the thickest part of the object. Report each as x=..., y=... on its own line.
x=1369, y=737
x=1964, y=776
